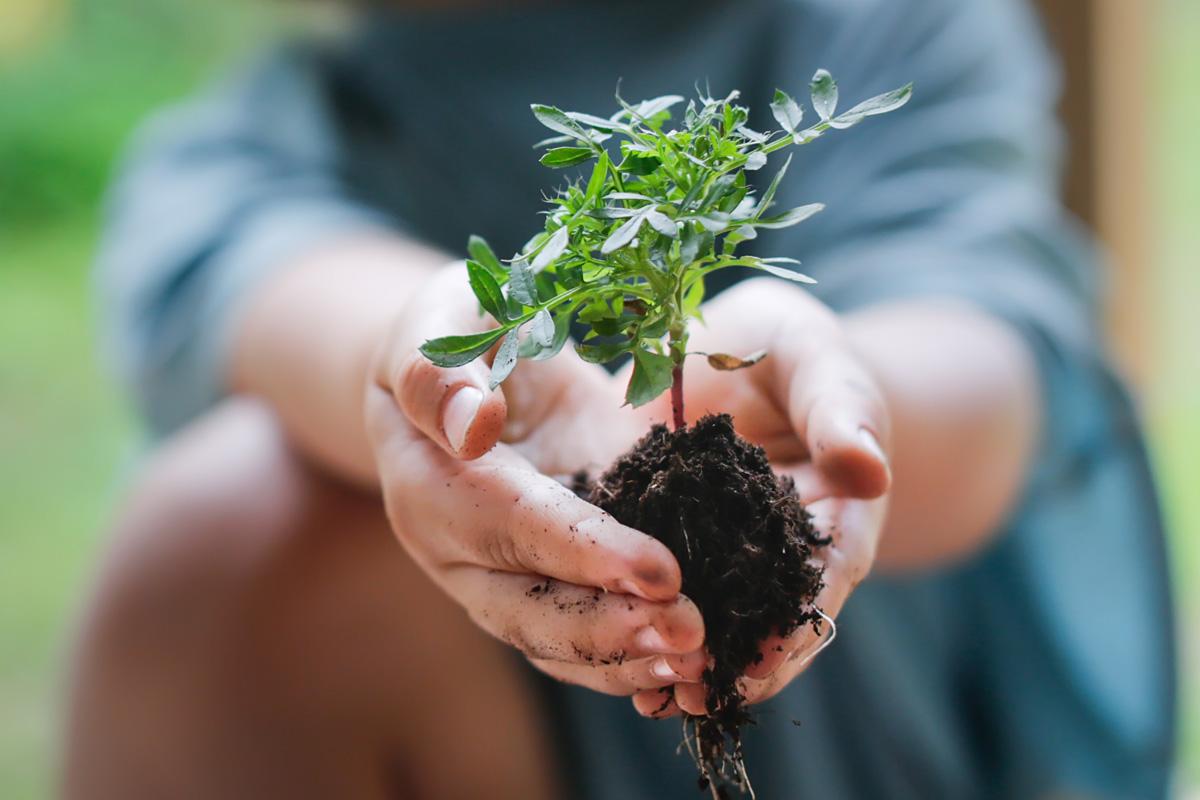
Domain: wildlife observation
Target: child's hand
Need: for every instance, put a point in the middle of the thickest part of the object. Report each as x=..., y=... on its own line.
x=822, y=419
x=585, y=598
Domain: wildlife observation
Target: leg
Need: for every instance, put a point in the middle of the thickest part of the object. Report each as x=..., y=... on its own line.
x=257, y=632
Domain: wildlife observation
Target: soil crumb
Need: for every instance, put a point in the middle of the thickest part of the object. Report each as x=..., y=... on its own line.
x=744, y=544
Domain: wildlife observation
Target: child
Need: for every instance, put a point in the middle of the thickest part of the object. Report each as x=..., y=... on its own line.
x=940, y=396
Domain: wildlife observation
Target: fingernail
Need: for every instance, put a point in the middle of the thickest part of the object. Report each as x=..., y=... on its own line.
x=662, y=670
x=872, y=445
x=627, y=586
x=460, y=414
x=650, y=640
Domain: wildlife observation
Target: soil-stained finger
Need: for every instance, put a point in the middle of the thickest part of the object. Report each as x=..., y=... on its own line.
x=553, y=532
x=630, y=677
x=554, y=621
x=656, y=703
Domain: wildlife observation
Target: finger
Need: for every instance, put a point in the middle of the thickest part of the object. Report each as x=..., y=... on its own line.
x=837, y=411
x=853, y=526
x=630, y=677
x=690, y=698
x=553, y=621
x=656, y=703
x=498, y=512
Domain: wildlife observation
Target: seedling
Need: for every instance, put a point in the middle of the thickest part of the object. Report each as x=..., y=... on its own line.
x=626, y=255
x=627, y=252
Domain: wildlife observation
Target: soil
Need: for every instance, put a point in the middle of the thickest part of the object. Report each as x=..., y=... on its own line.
x=744, y=544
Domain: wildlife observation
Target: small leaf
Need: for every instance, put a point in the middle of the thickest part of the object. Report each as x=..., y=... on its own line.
x=522, y=286
x=557, y=121
x=786, y=274
x=506, y=359
x=717, y=191
x=715, y=221
x=662, y=223
x=623, y=235
x=880, y=104
x=454, y=351
x=602, y=353
x=596, y=182
x=486, y=290
x=789, y=218
x=769, y=196
x=560, y=157
x=562, y=329
x=599, y=123
x=824, y=94
x=541, y=330
x=728, y=363
x=552, y=249
x=628, y=196
x=648, y=109
x=693, y=244
x=482, y=252
x=694, y=296
x=787, y=112
x=651, y=377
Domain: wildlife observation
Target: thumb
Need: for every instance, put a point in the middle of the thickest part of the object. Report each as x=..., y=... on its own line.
x=839, y=414
x=452, y=406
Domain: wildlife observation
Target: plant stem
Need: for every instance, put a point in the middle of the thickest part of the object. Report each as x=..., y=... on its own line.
x=677, y=396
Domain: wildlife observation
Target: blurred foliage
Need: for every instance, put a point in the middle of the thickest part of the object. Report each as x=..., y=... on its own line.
x=74, y=79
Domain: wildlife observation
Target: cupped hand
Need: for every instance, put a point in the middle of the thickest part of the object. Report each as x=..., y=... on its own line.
x=822, y=419
x=465, y=473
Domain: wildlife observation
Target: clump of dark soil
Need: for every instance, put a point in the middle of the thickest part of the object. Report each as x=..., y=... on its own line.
x=744, y=544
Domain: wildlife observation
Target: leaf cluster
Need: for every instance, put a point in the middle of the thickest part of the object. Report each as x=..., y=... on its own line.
x=626, y=252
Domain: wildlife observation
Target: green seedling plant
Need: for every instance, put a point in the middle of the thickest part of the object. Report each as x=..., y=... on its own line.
x=627, y=252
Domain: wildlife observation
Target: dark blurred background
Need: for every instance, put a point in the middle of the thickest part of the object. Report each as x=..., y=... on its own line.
x=75, y=77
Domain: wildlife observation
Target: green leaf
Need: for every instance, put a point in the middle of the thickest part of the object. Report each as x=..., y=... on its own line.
x=824, y=94
x=562, y=329
x=693, y=244
x=693, y=297
x=787, y=112
x=715, y=221
x=554, y=247
x=717, y=191
x=560, y=157
x=487, y=290
x=640, y=165
x=879, y=104
x=623, y=235
x=599, y=123
x=481, y=251
x=648, y=109
x=506, y=358
x=596, y=182
x=521, y=286
x=662, y=223
x=454, y=351
x=651, y=377
x=780, y=272
x=602, y=353
x=769, y=196
x=541, y=330
x=557, y=121
x=789, y=218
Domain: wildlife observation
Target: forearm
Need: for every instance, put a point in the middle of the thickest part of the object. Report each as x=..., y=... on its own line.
x=962, y=390
x=307, y=336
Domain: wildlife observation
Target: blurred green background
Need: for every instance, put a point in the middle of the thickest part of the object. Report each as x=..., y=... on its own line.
x=74, y=79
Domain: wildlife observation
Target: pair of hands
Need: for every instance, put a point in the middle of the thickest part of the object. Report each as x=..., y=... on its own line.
x=471, y=483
